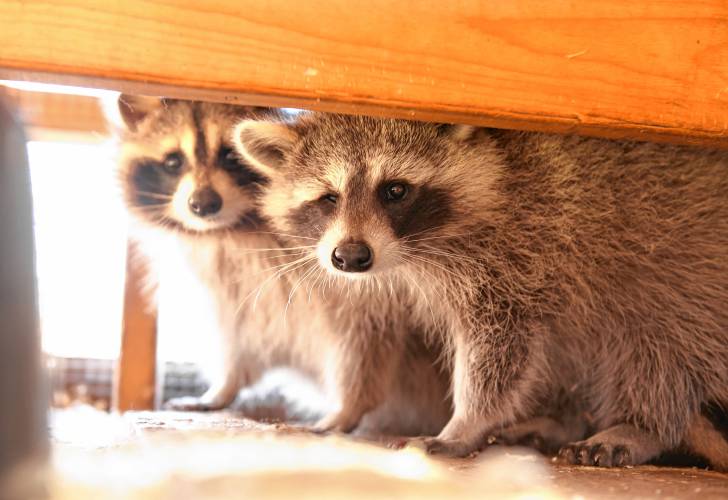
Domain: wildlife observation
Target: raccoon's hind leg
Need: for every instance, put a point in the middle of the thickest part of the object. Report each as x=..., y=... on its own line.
x=360, y=372
x=563, y=417
x=223, y=390
x=418, y=402
x=545, y=434
x=707, y=437
x=220, y=395
x=617, y=446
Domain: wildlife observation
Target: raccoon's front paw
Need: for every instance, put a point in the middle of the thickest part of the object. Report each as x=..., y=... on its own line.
x=453, y=448
x=617, y=446
x=337, y=422
x=189, y=403
x=598, y=455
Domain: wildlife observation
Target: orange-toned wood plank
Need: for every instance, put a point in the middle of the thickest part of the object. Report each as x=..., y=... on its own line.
x=59, y=112
x=656, y=69
x=136, y=372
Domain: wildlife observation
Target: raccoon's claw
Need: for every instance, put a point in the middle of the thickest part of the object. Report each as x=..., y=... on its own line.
x=189, y=403
x=598, y=455
x=617, y=446
x=336, y=422
x=445, y=447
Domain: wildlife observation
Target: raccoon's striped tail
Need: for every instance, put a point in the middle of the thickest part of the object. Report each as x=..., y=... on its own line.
x=708, y=437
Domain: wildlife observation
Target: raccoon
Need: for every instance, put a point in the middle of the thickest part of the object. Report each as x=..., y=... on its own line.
x=547, y=263
x=191, y=198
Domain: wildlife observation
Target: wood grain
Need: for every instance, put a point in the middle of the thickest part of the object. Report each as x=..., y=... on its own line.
x=656, y=69
x=136, y=372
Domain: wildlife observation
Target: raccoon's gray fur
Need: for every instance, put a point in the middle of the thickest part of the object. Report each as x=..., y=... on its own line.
x=265, y=312
x=549, y=262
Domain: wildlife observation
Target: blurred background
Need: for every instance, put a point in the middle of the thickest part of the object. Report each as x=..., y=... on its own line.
x=81, y=243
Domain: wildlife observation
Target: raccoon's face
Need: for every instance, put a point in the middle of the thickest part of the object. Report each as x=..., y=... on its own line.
x=368, y=194
x=179, y=168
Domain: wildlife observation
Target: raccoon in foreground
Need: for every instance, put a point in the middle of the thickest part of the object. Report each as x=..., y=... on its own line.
x=191, y=198
x=550, y=263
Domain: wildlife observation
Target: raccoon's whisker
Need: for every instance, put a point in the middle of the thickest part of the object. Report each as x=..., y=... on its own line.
x=161, y=219
x=424, y=295
x=427, y=276
x=444, y=253
x=151, y=207
x=151, y=194
x=259, y=287
x=309, y=288
x=439, y=250
x=330, y=281
x=440, y=237
x=435, y=264
x=279, y=249
x=298, y=258
x=285, y=235
x=325, y=278
x=417, y=263
x=410, y=257
x=315, y=282
x=280, y=259
x=426, y=230
x=303, y=277
x=157, y=215
x=158, y=201
x=277, y=276
x=292, y=254
x=423, y=235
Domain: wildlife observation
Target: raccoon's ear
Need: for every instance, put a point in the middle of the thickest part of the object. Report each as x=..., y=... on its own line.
x=133, y=109
x=458, y=132
x=264, y=144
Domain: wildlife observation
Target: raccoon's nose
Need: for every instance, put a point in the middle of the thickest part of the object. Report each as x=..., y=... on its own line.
x=352, y=257
x=204, y=202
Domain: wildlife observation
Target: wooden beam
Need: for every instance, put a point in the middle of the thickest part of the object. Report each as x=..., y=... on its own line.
x=58, y=112
x=136, y=371
x=656, y=69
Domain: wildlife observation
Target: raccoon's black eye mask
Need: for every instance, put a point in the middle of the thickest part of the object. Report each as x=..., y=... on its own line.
x=154, y=181
x=390, y=192
x=231, y=162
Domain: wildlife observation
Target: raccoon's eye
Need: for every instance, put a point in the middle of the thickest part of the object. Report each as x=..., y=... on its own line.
x=173, y=162
x=330, y=198
x=229, y=160
x=395, y=191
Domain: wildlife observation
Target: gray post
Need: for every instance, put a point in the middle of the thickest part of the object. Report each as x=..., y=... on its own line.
x=23, y=403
